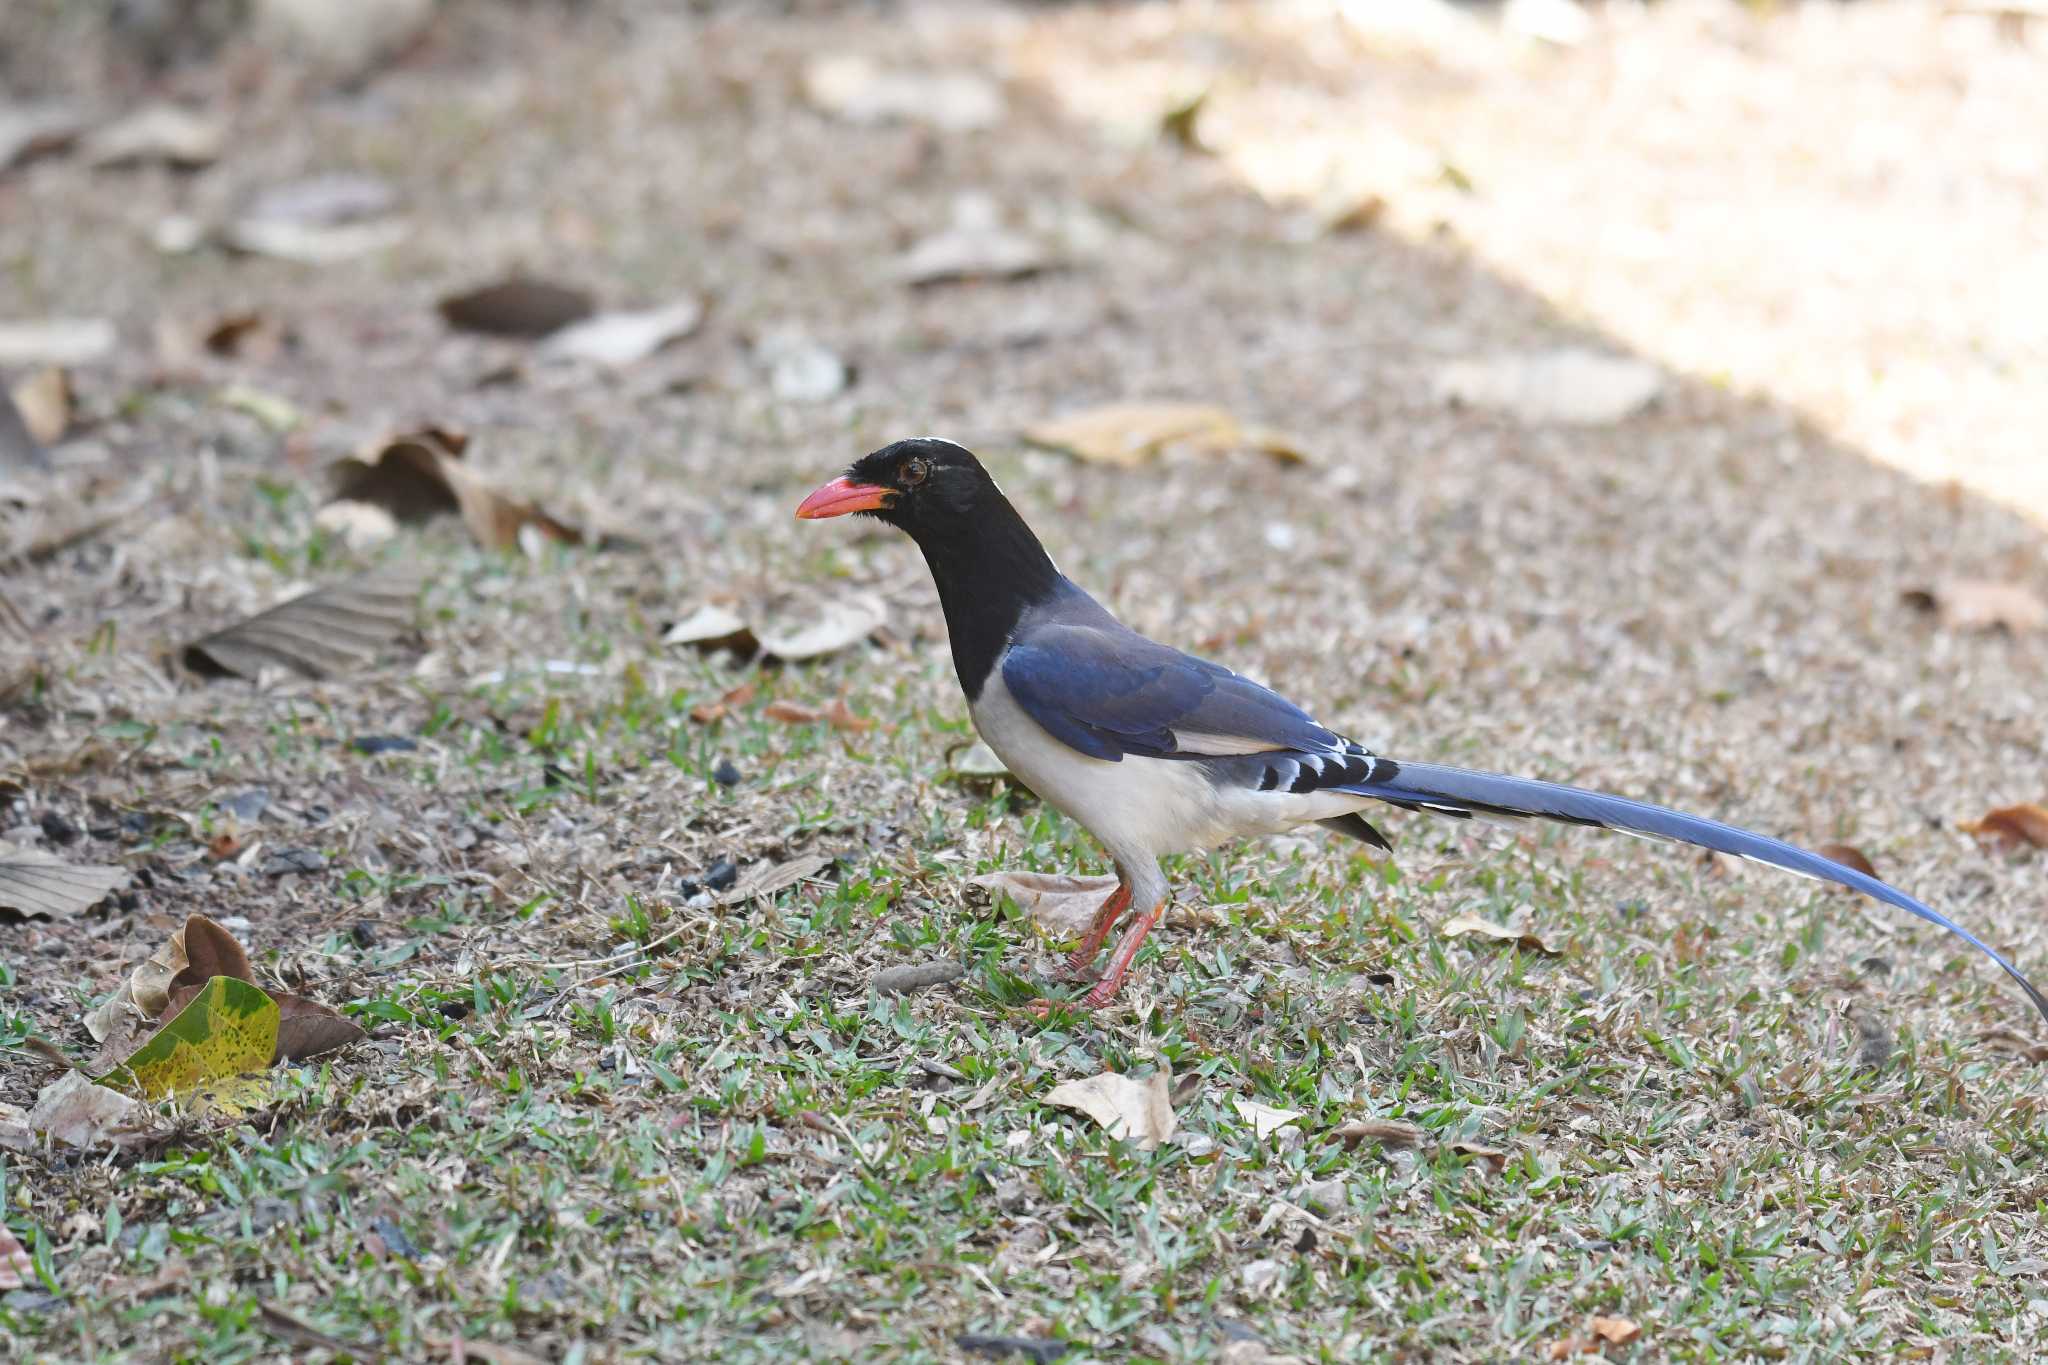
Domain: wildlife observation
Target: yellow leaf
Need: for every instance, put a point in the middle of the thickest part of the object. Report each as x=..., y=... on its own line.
x=1132, y=433
x=207, y=1052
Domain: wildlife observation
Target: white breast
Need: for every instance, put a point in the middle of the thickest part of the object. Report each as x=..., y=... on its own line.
x=1138, y=806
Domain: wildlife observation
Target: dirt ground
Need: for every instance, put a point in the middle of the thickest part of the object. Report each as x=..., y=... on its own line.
x=612, y=1107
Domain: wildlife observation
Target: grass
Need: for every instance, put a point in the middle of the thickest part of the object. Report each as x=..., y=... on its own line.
x=721, y=1146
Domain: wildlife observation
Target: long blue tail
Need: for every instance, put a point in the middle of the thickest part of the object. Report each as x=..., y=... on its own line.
x=1461, y=792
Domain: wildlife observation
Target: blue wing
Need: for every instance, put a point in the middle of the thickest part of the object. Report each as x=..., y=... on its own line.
x=1107, y=691
x=1457, y=791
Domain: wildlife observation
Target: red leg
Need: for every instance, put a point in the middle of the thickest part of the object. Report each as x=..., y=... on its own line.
x=1083, y=957
x=1120, y=962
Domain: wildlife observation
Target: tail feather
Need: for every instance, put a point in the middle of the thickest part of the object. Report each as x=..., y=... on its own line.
x=1461, y=792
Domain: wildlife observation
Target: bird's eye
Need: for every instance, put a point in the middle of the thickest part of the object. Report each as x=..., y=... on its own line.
x=914, y=472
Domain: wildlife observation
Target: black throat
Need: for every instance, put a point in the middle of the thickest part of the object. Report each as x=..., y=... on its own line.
x=989, y=569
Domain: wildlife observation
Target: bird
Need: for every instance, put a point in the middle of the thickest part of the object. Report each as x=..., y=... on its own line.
x=1153, y=751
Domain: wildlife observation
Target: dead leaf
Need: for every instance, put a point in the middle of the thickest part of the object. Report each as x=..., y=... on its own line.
x=1459, y=925
x=421, y=475
x=517, y=307
x=286, y=1326
x=1569, y=385
x=820, y=626
x=316, y=634
x=210, y=951
x=615, y=340
x=30, y=131
x=1140, y=1111
x=801, y=370
x=1848, y=855
x=857, y=90
x=1981, y=604
x=16, y=1266
x=19, y=449
x=168, y=133
x=911, y=977
x=361, y=526
x=33, y=882
x=2006, y=1040
x=247, y=335
x=44, y=402
x=1264, y=1118
x=739, y=696
x=712, y=627
x=146, y=994
x=2022, y=826
x=74, y=1111
x=307, y=1028
x=1494, y=1159
x=55, y=341
x=1133, y=433
x=1615, y=1331
x=841, y=717
x=1060, y=904
x=1566, y=1347
x=1386, y=1132
x=764, y=879
x=978, y=760
x=791, y=713
x=975, y=247
x=311, y=244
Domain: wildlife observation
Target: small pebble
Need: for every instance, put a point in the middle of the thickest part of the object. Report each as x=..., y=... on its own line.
x=286, y=860
x=725, y=774
x=57, y=829
x=382, y=744
x=364, y=933
x=910, y=977
x=721, y=875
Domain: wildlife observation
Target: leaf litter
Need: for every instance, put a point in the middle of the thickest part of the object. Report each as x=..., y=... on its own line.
x=1135, y=433
x=1134, y=1110
x=519, y=306
x=318, y=634
x=33, y=882
x=1460, y=926
x=2011, y=827
x=1061, y=904
x=424, y=474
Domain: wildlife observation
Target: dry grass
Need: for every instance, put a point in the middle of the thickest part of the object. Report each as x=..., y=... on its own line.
x=605, y=1115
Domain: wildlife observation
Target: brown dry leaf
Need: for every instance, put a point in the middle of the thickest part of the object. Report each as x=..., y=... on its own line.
x=1848, y=855
x=708, y=712
x=73, y=1111
x=2022, y=826
x=1132, y=433
x=307, y=1028
x=210, y=951
x=420, y=475
x=36, y=883
x=1567, y=1347
x=44, y=402
x=1141, y=1111
x=1495, y=1160
x=841, y=717
x=247, y=336
x=16, y=1268
x=2006, y=1040
x=1386, y=1132
x=517, y=307
x=1616, y=1331
x=168, y=133
x=1459, y=925
x=1060, y=904
x=911, y=977
x=1981, y=604
x=792, y=713
x=616, y=340
x=316, y=634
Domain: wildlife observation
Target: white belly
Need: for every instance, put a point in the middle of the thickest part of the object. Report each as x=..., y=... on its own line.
x=1138, y=806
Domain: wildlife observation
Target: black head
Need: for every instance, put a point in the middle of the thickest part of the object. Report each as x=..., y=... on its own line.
x=925, y=486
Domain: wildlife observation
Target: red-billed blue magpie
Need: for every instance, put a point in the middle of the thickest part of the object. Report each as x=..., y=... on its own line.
x=1154, y=751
